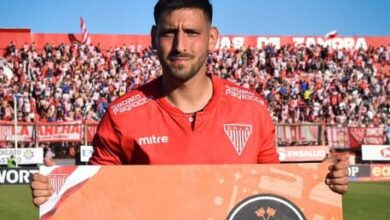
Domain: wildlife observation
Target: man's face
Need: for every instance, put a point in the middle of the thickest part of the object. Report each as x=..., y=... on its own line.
x=183, y=38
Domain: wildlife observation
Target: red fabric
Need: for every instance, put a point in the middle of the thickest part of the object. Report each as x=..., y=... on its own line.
x=331, y=34
x=121, y=136
x=356, y=136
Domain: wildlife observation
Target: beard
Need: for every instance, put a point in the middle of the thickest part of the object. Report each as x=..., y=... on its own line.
x=183, y=73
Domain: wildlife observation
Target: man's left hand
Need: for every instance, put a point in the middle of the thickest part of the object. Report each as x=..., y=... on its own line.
x=337, y=178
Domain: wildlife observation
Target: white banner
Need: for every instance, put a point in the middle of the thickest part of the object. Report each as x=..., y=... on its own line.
x=22, y=155
x=298, y=133
x=306, y=153
x=63, y=131
x=376, y=152
x=24, y=132
x=374, y=136
x=45, y=131
x=85, y=153
x=338, y=137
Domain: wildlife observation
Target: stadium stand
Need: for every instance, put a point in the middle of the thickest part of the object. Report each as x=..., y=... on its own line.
x=302, y=83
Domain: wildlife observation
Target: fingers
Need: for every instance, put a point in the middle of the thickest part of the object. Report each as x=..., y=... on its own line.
x=341, y=189
x=40, y=178
x=340, y=165
x=48, y=162
x=338, y=185
x=341, y=173
x=39, y=201
x=337, y=181
x=40, y=189
x=336, y=157
x=41, y=193
x=337, y=178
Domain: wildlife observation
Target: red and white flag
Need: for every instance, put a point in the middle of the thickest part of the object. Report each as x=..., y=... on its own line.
x=86, y=38
x=331, y=34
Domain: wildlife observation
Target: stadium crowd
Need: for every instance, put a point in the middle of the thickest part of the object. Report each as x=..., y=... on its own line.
x=301, y=84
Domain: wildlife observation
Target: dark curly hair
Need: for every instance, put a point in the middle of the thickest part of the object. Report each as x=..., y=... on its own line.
x=166, y=6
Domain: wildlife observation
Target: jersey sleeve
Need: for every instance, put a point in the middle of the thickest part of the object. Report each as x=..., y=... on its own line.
x=267, y=148
x=107, y=144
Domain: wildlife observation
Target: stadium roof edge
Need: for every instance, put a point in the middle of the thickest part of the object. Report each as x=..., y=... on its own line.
x=10, y=29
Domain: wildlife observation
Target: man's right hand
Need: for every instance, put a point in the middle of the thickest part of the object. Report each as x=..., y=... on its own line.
x=40, y=187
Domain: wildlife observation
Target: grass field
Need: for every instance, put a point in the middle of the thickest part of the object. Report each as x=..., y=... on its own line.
x=15, y=203
x=363, y=201
x=367, y=201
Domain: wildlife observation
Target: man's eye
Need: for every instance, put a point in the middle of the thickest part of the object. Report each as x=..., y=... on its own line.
x=192, y=33
x=167, y=33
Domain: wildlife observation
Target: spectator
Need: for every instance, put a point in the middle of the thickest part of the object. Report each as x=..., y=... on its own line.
x=11, y=162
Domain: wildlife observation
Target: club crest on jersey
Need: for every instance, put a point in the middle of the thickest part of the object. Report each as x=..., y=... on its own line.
x=238, y=135
x=57, y=181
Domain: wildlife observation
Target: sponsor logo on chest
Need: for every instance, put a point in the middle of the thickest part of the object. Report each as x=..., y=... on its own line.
x=238, y=135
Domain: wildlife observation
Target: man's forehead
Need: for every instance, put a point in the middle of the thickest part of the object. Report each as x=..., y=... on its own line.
x=171, y=17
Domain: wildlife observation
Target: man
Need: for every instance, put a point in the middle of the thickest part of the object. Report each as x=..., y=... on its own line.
x=187, y=116
x=11, y=163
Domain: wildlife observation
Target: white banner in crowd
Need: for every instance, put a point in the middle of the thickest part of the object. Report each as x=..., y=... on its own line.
x=22, y=155
x=85, y=153
x=338, y=137
x=64, y=131
x=298, y=133
x=24, y=132
x=45, y=131
x=376, y=152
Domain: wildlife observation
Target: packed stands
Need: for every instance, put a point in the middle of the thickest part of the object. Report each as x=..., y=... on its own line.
x=302, y=83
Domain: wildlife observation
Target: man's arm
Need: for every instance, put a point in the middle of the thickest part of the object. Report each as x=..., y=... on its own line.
x=267, y=148
x=108, y=149
x=267, y=153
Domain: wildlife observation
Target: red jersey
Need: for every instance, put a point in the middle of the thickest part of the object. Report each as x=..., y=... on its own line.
x=141, y=127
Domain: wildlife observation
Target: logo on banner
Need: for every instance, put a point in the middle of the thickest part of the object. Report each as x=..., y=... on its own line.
x=356, y=171
x=386, y=152
x=28, y=154
x=238, y=135
x=282, y=154
x=57, y=181
x=266, y=206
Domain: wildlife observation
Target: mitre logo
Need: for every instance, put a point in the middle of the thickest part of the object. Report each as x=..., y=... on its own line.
x=153, y=140
x=238, y=135
x=265, y=207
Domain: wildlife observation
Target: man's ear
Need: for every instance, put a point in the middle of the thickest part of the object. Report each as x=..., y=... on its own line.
x=213, y=38
x=153, y=36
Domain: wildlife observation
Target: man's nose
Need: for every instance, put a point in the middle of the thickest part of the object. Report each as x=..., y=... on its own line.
x=180, y=44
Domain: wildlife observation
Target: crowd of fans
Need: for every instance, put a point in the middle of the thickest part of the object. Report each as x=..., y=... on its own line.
x=301, y=84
